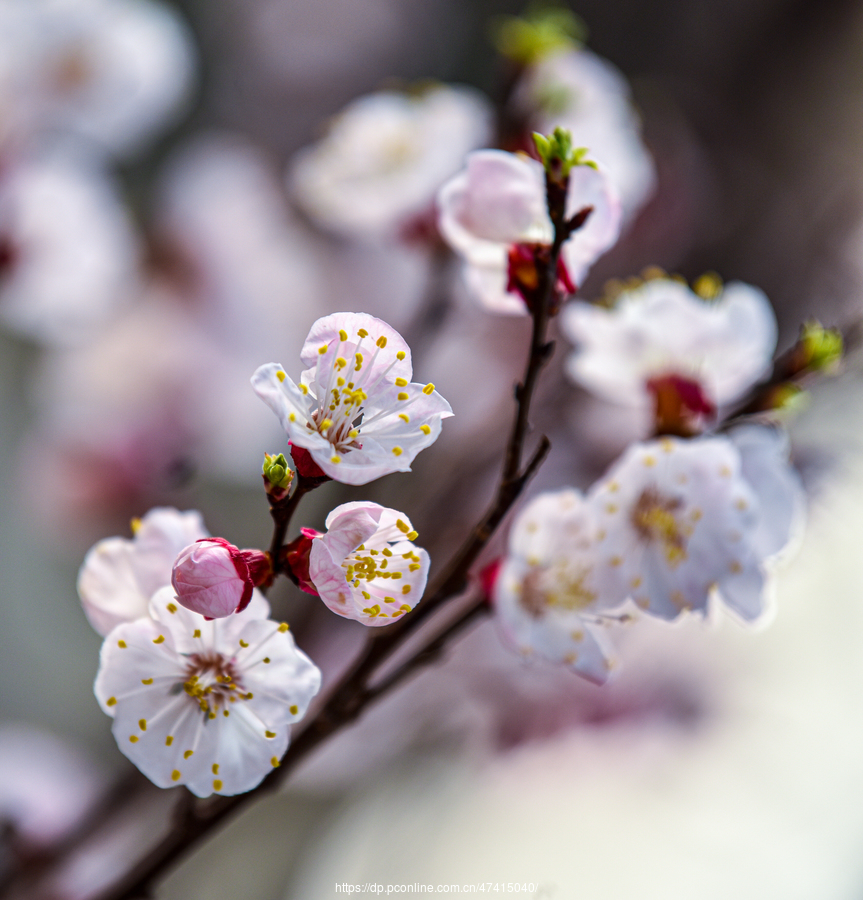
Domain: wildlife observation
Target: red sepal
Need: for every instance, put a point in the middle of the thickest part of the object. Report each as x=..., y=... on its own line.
x=488, y=579
x=295, y=558
x=306, y=466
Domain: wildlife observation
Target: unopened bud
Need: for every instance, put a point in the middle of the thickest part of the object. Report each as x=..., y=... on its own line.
x=542, y=30
x=821, y=347
x=276, y=470
x=214, y=578
x=557, y=153
x=787, y=396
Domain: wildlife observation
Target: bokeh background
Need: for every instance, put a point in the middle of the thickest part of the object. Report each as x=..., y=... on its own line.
x=721, y=762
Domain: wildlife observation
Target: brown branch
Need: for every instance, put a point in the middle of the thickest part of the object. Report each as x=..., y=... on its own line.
x=282, y=513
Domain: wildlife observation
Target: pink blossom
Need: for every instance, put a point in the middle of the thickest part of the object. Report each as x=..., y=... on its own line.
x=355, y=408
x=366, y=566
x=499, y=200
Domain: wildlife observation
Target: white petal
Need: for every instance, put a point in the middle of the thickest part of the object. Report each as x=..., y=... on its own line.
x=781, y=499
x=590, y=187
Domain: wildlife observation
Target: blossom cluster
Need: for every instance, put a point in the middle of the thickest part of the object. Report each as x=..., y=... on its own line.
x=677, y=520
x=201, y=684
x=195, y=701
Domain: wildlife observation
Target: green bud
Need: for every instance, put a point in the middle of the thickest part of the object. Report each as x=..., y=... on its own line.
x=543, y=29
x=557, y=153
x=789, y=397
x=276, y=470
x=822, y=347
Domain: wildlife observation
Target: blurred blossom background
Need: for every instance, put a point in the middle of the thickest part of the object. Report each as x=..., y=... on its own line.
x=165, y=230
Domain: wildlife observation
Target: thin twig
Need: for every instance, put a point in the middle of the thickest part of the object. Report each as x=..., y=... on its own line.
x=282, y=513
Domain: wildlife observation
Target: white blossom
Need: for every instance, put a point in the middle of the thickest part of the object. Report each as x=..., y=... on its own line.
x=385, y=156
x=112, y=71
x=548, y=593
x=588, y=96
x=366, y=566
x=355, y=409
x=499, y=200
x=119, y=575
x=68, y=253
x=207, y=704
x=678, y=521
x=661, y=328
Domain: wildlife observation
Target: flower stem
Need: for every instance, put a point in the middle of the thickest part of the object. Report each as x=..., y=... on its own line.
x=282, y=513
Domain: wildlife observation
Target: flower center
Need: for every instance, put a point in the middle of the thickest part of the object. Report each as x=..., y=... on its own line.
x=211, y=680
x=653, y=517
x=343, y=387
x=562, y=586
x=680, y=404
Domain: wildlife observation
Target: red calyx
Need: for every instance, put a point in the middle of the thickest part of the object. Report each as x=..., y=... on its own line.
x=295, y=559
x=306, y=467
x=525, y=262
x=680, y=405
x=488, y=579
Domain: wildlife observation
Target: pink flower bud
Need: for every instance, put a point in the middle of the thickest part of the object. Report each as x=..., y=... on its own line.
x=214, y=578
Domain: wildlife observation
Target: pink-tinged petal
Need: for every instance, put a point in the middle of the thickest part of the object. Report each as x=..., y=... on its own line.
x=160, y=536
x=498, y=199
x=242, y=756
x=488, y=284
x=327, y=332
x=109, y=591
x=744, y=592
x=281, y=678
x=590, y=187
x=375, y=580
x=132, y=653
x=348, y=528
x=742, y=355
x=119, y=575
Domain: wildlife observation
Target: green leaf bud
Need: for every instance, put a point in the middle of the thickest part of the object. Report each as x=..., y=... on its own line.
x=276, y=470
x=557, y=154
x=543, y=29
x=822, y=347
